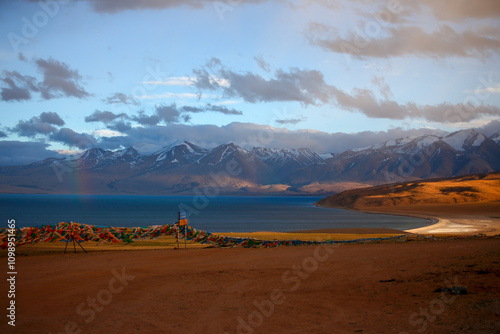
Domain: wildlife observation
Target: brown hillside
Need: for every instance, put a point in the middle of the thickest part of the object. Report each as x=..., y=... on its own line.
x=479, y=189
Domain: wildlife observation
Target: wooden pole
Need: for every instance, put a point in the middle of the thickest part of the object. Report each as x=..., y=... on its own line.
x=81, y=247
x=177, y=235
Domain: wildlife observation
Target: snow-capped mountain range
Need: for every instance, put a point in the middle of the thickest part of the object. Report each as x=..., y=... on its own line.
x=185, y=168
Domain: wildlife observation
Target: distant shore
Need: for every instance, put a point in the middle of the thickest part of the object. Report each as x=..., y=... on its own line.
x=463, y=219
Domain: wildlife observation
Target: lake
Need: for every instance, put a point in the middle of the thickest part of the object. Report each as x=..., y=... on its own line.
x=216, y=214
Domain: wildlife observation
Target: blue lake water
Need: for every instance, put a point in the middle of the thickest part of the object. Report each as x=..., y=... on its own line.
x=217, y=214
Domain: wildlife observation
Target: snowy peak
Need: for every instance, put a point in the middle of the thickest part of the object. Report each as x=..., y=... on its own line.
x=425, y=141
x=464, y=139
x=281, y=156
x=496, y=138
x=180, y=152
x=128, y=154
x=459, y=141
x=98, y=158
x=401, y=145
x=286, y=161
x=225, y=152
x=413, y=146
x=94, y=153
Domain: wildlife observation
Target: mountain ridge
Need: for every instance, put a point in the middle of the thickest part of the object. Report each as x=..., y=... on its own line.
x=185, y=168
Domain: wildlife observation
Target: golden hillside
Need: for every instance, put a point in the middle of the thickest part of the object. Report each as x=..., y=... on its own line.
x=480, y=188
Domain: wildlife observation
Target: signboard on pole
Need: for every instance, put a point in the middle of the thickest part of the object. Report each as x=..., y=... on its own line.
x=183, y=218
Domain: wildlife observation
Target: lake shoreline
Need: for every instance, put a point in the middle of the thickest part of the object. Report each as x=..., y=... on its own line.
x=466, y=219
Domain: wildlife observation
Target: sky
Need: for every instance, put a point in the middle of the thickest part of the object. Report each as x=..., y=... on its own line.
x=327, y=75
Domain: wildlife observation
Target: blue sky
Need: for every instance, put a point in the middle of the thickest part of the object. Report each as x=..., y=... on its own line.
x=330, y=75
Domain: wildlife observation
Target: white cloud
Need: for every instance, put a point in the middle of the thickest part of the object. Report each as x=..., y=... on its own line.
x=107, y=133
x=227, y=102
x=491, y=90
x=168, y=95
x=68, y=152
x=172, y=81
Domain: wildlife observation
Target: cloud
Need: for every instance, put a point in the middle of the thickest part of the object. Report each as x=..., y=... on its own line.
x=490, y=128
x=107, y=133
x=114, y=122
x=364, y=101
x=114, y=6
x=459, y=10
x=223, y=109
x=169, y=95
x=262, y=63
x=305, y=86
x=172, y=81
x=58, y=80
x=19, y=87
x=72, y=138
x=210, y=107
x=192, y=109
x=104, y=116
x=21, y=57
x=14, y=153
x=120, y=98
x=46, y=126
x=291, y=121
x=309, y=87
x=487, y=90
x=144, y=119
x=34, y=126
x=3, y=134
x=410, y=41
x=51, y=118
x=382, y=86
x=168, y=113
x=171, y=113
x=120, y=126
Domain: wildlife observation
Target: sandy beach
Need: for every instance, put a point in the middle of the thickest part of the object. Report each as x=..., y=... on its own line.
x=458, y=219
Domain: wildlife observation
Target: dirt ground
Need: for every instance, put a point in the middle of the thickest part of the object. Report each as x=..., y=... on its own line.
x=372, y=288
